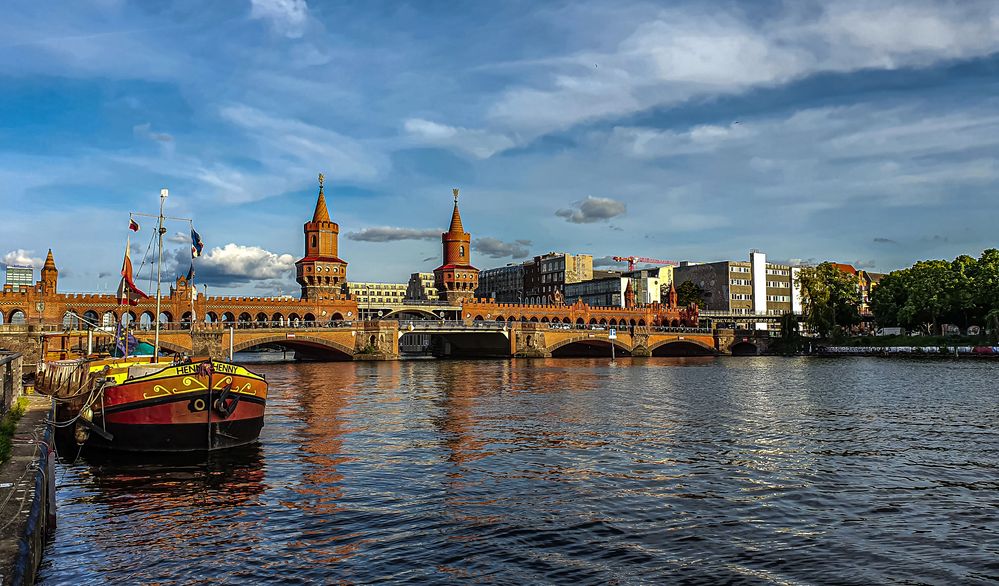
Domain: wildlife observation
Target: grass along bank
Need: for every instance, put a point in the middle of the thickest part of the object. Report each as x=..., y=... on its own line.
x=8, y=426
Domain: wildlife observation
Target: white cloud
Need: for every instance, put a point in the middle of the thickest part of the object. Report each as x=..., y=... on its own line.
x=287, y=17
x=679, y=55
x=23, y=257
x=236, y=263
x=478, y=143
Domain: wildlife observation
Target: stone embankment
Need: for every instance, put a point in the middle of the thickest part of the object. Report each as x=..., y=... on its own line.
x=27, y=484
x=911, y=350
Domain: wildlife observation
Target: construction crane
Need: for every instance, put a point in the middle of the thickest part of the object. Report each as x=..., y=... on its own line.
x=631, y=260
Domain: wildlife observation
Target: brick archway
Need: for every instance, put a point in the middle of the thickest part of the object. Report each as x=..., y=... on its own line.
x=685, y=341
x=586, y=338
x=299, y=340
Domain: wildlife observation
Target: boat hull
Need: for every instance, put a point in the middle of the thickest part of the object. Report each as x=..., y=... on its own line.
x=179, y=408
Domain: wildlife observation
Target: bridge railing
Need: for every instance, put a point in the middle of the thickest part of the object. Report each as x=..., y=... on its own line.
x=432, y=324
x=626, y=328
x=243, y=325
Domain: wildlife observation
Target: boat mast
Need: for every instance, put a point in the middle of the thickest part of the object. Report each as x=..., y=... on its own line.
x=159, y=267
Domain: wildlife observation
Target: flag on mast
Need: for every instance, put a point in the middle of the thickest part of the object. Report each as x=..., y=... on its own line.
x=128, y=293
x=133, y=225
x=196, y=244
x=190, y=274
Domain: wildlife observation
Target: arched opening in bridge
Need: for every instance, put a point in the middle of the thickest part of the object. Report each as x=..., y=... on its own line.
x=165, y=318
x=500, y=318
x=534, y=320
x=146, y=321
x=603, y=321
x=682, y=348
x=589, y=349
x=745, y=349
x=310, y=320
x=261, y=319
x=2, y=318
x=128, y=318
x=244, y=320
x=278, y=319
x=580, y=322
x=593, y=321
x=641, y=322
x=612, y=322
x=337, y=316
x=228, y=318
x=302, y=350
x=211, y=317
x=17, y=318
x=109, y=319
x=70, y=321
x=294, y=320
x=478, y=318
x=91, y=319
x=185, y=320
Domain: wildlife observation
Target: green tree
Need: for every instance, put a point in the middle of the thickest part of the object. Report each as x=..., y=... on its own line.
x=830, y=297
x=931, y=286
x=688, y=292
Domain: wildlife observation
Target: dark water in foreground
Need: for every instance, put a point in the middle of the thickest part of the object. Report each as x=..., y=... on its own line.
x=757, y=470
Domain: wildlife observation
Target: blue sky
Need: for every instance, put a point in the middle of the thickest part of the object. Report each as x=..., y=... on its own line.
x=863, y=132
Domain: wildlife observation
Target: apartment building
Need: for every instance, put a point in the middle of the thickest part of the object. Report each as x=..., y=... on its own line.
x=504, y=284
x=753, y=287
x=377, y=293
x=421, y=287
x=552, y=272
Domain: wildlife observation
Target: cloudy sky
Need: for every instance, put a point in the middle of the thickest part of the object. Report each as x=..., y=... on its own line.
x=864, y=132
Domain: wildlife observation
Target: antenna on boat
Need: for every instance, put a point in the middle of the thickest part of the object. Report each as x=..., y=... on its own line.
x=159, y=267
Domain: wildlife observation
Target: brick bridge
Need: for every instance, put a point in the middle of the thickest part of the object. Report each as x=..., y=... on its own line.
x=379, y=340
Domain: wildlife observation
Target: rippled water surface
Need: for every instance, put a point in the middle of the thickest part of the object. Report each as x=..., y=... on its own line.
x=756, y=470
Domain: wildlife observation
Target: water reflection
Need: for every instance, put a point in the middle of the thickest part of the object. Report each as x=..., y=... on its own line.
x=658, y=470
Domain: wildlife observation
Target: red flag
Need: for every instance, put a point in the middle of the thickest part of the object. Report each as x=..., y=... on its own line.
x=128, y=293
x=133, y=225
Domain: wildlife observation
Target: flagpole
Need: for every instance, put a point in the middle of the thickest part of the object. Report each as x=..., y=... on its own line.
x=159, y=268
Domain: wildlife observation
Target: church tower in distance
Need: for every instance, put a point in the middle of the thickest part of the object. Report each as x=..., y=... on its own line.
x=320, y=272
x=456, y=279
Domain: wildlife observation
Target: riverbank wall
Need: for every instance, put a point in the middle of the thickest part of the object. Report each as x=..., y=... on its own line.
x=27, y=486
x=984, y=351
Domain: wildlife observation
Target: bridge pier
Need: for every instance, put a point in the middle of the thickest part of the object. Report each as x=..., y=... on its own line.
x=376, y=340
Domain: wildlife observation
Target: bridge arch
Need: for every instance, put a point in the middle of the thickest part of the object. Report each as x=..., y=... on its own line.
x=744, y=349
x=300, y=341
x=146, y=320
x=109, y=319
x=71, y=320
x=91, y=319
x=17, y=317
x=426, y=313
x=686, y=347
x=585, y=338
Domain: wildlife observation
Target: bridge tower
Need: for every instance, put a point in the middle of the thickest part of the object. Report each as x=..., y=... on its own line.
x=456, y=278
x=320, y=272
x=50, y=275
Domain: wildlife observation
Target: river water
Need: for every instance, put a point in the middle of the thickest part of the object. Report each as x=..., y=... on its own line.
x=758, y=470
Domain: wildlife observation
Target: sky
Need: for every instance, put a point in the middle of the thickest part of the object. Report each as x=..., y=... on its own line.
x=864, y=132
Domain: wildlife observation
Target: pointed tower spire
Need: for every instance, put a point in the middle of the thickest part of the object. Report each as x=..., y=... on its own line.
x=321, y=214
x=456, y=227
x=50, y=274
x=49, y=261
